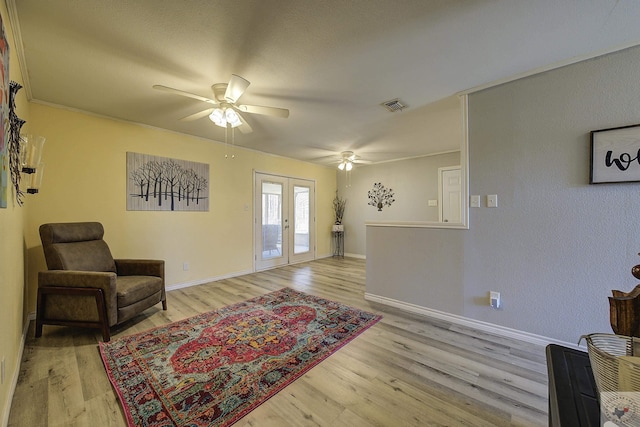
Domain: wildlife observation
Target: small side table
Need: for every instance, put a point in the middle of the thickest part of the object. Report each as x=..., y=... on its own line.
x=338, y=243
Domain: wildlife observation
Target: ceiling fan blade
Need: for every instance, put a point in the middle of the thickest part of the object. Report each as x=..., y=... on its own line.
x=244, y=127
x=183, y=93
x=198, y=115
x=236, y=87
x=266, y=111
x=325, y=159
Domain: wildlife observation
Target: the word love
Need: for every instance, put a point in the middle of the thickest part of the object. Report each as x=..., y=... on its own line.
x=622, y=162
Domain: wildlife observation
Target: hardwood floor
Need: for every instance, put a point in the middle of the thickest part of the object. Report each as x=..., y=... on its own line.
x=406, y=370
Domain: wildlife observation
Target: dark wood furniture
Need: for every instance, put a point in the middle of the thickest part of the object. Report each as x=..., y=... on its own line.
x=573, y=397
x=624, y=312
x=101, y=323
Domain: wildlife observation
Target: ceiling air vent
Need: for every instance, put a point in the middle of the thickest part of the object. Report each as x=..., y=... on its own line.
x=394, y=105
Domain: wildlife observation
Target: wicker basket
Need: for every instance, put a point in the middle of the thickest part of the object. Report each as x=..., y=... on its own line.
x=615, y=361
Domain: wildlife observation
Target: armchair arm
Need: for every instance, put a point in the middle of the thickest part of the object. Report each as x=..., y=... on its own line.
x=140, y=267
x=80, y=279
x=85, y=279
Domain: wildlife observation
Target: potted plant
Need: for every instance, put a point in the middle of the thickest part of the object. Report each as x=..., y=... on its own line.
x=339, y=203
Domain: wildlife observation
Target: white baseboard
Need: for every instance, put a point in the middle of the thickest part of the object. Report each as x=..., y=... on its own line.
x=16, y=372
x=183, y=285
x=207, y=280
x=359, y=256
x=471, y=323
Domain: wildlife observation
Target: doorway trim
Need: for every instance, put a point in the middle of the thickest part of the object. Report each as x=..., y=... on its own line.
x=441, y=198
x=291, y=256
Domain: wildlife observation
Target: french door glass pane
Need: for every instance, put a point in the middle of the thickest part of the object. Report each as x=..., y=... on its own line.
x=271, y=220
x=301, y=219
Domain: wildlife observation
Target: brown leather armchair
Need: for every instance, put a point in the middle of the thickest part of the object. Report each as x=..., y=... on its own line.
x=86, y=287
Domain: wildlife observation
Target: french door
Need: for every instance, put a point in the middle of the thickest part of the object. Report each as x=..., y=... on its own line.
x=284, y=221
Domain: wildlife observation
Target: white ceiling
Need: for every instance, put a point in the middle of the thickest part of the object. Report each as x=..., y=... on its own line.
x=330, y=62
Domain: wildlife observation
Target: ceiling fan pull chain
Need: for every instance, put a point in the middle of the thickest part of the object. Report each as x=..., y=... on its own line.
x=226, y=145
x=233, y=143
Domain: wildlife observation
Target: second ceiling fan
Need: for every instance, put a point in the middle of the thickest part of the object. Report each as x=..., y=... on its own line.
x=348, y=159
x=224, y=110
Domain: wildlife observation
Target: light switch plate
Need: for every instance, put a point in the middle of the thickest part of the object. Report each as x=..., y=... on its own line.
x=433, y=202
x=494, y=299
x=492, y=201
x=475, y=201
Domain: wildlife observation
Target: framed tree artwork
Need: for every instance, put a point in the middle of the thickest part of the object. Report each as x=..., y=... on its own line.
x=163, y=184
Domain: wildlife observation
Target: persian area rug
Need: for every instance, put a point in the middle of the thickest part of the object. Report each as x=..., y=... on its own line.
x=214, y=368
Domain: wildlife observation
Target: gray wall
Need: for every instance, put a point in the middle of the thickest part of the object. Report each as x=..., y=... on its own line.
x=414, y=182
x=556, y=245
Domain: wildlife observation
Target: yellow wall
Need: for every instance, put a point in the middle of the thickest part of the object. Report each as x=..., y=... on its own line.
x=13, y=311
x=85, y=180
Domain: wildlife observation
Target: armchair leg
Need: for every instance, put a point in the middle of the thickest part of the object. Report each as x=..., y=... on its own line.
x=38, y=328
x=106, y=333
x=39, y=313
x=102, y=316
x=164, y=304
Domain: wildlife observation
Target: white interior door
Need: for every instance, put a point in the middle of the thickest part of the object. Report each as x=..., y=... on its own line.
x=284, y=221
x=450, y=194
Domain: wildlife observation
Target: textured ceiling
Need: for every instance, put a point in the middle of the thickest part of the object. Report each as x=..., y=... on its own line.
x=331, y=62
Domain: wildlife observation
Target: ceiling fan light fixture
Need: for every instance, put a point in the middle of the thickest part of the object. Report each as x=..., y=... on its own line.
x=348, y=157
x=217, y=117
x=222, y=117
x=232, y=118
x=345, y=165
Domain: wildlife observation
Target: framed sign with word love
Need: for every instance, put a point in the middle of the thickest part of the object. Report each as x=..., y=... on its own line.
x=615, y=155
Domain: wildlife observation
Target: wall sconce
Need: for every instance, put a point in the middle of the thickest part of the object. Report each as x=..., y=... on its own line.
x=31, y=159
x=25, y=152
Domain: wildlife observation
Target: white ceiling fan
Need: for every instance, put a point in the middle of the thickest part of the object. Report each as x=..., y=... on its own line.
x=224, y=110
x=348, y=160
